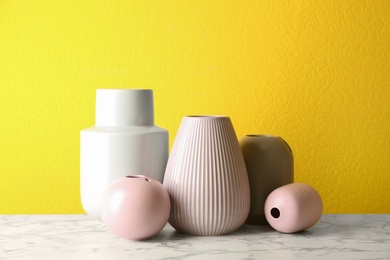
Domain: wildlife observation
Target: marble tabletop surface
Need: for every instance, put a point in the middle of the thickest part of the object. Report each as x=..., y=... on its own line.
x=81, y=237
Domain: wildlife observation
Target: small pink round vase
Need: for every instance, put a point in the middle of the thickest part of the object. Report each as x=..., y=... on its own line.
x=293, y=207
x=135, y=207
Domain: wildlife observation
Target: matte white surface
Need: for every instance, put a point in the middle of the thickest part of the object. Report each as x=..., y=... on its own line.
x=105, y=157
x=82, y=237
x=124, y=107
x=123, y=142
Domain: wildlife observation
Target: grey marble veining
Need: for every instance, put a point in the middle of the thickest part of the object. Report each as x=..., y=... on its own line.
x=81, y=237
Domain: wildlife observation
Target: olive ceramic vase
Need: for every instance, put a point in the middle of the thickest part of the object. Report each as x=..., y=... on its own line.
x=269, y=162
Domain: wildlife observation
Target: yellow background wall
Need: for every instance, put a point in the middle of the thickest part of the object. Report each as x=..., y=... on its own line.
x=316, y=73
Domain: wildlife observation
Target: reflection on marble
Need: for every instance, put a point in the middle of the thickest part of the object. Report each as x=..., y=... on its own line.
x=81, y=237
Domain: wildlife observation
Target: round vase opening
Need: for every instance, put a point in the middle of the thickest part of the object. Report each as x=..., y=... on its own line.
x=123, y=89
x=265, y=135
x=138, y=177
x=275, y=212
x=207, y=116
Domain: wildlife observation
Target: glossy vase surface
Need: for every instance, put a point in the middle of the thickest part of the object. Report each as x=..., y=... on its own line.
x=124, y=141
x=206, y=178
x=269, y=162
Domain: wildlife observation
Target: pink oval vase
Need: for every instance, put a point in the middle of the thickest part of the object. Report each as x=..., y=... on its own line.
x=293, y=207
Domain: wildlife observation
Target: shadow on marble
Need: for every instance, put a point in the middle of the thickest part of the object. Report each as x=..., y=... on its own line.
x=173, y=235
x=170, y=234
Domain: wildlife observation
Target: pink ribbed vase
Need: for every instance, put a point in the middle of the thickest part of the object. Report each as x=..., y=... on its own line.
x=293, y=207
x=206, y=178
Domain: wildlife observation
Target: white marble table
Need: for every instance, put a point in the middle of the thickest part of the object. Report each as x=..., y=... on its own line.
x=80, y=237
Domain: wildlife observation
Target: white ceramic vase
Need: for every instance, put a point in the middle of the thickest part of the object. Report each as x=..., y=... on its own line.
x=124, y=141
x=206, y=178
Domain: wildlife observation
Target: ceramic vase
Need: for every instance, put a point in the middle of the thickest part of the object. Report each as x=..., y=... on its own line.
x=293, y=207
x=269, y=162
x=206, y=178
x=135, y=207
x=124, y=141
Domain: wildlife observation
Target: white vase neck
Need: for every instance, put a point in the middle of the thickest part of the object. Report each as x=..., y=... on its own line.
x=124, y=107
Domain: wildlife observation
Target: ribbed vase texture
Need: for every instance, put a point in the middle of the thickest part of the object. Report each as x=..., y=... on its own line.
x=206, y=178
x=293, y=207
